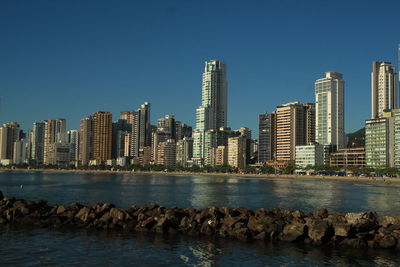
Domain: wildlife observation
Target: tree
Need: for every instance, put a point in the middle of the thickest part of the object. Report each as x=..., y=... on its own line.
x=267, y=169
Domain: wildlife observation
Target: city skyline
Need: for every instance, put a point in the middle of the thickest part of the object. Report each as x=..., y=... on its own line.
x=74, y=56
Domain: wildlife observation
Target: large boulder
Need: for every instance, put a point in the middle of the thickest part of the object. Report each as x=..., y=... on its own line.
x=385, y=221
x=342, y=229
x=293, y=232
x=387, y=241
x=254, y=225
x=1, y=195
x=357, y=217
x=319, y=231
x=85, y=214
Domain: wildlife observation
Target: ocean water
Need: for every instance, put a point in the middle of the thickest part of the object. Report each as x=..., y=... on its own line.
x=25, y=246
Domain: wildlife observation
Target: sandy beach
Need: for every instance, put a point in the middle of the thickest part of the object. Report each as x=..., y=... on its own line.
x=267, y=176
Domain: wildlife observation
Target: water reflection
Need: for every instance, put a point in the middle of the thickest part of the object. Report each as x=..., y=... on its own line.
x=28, y=246
x=201, y=191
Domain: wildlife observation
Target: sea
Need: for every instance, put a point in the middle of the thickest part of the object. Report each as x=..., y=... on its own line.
x=32, y=246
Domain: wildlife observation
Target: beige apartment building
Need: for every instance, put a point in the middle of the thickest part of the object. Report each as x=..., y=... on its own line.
x=221, y=157
x=166, y=153
x=237, y=151
x=295, y=125
x=95, y=138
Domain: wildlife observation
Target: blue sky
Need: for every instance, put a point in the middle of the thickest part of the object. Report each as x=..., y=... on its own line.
x=72, y=58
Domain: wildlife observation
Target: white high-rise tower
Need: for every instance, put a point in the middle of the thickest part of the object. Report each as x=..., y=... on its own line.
x=384, y=88
x=329, y=110
x=212, y=114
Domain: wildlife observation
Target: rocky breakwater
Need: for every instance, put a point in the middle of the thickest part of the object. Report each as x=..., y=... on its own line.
x=356, y=230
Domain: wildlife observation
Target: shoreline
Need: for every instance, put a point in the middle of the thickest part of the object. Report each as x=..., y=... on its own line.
x=248, y=175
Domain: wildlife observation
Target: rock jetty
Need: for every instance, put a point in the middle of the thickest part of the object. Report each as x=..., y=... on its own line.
x=355, y=230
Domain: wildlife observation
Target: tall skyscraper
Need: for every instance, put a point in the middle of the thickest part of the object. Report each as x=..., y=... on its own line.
x=102, y=136
x=266, y=136
x=121, y=129
x=329, y=110
x=95, y=138
x=54, y=132
x=86, y=141
x=168, y=126
x=213, y=112
x=38, y=142
x=141, y=129
x=9, y=133
x=295, y=125
x=127, y=115
x=73, y=141
x=384, y=88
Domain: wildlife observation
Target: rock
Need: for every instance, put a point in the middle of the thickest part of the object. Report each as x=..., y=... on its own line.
x=342, y=229
x=388, y=241
x=254, y=225
x=60, y=209
x=356, y=217
x=230, y=221
x=241, y=233
x=84, y=214
x=292, y=232
x=116, y=214
x=1, y=195
x=18, y=204
x=385, y=221
x=148, y=223
x=297, y=214
x=319, y=231
x=321, y=213
x=24, y=210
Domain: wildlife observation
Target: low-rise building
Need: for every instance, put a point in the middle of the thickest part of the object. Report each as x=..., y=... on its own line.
x=348, y=158
x=380, y=142
x=312, y=155
x=58, y=154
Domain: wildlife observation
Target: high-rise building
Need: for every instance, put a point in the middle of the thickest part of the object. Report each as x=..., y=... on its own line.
x=38, y=142
x=9, y=133
x=95, y=138
x=295, y=125
x=182, y=130
x=266, y=137
x=221, y=156
x=102, y=135
x=213, y=112
x=120, y=129
x=184, y=151
x=141, y=129
x=329, y=110
x=237, y=151
x=86, y=141
x=166, y=153
x=20, y=154
x=384, y=88
x=246, y=133
x=167, y=125
x=127, y=115
x=73, y=141
x=54, y=132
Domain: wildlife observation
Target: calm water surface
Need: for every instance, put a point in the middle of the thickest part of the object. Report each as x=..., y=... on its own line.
x=39, y=247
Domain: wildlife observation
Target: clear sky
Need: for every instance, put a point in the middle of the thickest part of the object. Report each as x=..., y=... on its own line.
x=72, y=58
